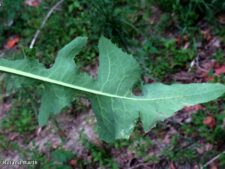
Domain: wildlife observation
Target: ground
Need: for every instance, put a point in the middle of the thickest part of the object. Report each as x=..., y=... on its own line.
x=180, y=42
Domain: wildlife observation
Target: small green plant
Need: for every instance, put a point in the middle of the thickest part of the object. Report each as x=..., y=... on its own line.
x=166, y=56
x=140, y=147
x=20, y=120
x=219, y=56
x=22, y=117
x=8, y=13
x=174, y=152
x=106, y=20
x=99, y=155
x=60, y=158
x=188, y=12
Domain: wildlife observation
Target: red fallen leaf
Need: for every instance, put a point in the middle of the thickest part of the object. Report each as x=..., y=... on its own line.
x=172, y=165
x=210, y=121
x=193, y=108
x=11, y=42
x=220, y=70
x=73, y=162
x=33, y=3
x=211, y=78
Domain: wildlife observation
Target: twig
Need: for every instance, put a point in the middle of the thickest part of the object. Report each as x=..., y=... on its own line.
x=44, y=22
x=138, y=166
x=212, y=160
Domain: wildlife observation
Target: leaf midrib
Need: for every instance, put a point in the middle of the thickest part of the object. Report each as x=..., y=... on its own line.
x=60, y=83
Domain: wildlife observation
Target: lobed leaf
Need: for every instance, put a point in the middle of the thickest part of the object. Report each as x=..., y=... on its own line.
x=116, y=108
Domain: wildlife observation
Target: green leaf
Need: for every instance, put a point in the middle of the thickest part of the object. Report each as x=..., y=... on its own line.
x=116, y=108
x=61, y=155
